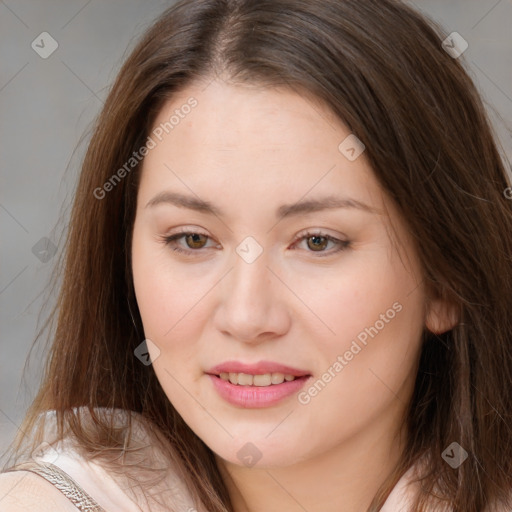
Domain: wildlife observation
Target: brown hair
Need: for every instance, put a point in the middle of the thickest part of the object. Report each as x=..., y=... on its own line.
x=380, y=67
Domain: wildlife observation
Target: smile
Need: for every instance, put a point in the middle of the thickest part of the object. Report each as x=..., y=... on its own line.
x=254, y=395
x=266, y=379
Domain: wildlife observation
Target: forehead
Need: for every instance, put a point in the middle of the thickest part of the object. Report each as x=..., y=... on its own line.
x=265, y=118
x=254, y=139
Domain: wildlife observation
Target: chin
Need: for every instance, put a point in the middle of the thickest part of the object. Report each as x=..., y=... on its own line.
x=259, y=451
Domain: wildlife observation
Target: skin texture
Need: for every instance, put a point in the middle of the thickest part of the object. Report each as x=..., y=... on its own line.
x=248, y=150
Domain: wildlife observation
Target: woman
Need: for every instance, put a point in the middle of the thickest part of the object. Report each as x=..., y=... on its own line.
x=288, y=276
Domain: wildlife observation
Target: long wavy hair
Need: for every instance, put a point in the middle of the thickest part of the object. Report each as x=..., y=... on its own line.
x=381, y=69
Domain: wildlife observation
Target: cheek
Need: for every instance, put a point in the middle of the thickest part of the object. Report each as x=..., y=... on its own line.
x=375, y=319
x=157, y=287
x=154, y=296
x=352, y=298
x=170, y=302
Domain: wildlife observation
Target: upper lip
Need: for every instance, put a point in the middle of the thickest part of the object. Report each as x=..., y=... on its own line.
x=258, y=368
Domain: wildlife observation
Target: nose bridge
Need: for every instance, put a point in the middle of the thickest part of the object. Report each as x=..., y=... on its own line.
x=249, y=304
x=250, y=274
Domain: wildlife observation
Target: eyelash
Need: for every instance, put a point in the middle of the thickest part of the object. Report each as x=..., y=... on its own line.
x=171, y=239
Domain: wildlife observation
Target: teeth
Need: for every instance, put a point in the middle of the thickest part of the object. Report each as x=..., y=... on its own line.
x=267, y=379
x=277, y=378
x=244, y=379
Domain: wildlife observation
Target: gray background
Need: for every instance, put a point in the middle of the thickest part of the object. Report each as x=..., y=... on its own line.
x=46, y=109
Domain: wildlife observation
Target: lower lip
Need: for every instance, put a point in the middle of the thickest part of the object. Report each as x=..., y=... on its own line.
x=254, y=397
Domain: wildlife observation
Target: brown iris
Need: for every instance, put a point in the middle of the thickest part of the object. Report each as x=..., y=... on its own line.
x=194, y=237
x=317, y=242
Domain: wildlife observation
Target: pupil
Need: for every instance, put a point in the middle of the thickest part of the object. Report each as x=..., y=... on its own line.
x=316, y=241
x=194, y=237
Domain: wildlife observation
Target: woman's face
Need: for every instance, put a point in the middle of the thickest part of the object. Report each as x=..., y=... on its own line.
x=277, y=279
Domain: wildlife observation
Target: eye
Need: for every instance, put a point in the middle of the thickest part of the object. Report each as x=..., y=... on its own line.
x=194, y=240
x=316, y=241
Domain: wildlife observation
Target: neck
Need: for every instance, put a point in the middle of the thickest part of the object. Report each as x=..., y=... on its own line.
x=344, y=479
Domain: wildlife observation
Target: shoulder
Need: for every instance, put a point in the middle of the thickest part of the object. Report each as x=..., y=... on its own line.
x=144, y=474
x=408, y=487
x=21, y=491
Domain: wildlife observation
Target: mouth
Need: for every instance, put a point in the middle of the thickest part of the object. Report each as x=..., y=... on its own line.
x=258, y=380
x=266, y=372
x=260, y=385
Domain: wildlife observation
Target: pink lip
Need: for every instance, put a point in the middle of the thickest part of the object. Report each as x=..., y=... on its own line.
x=255, y=397
x=256, y=369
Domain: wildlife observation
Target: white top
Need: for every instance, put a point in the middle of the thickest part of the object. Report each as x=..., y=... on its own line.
x=115, y=493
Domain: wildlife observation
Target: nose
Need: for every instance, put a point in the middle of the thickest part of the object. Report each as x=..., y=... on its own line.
x=252, y=304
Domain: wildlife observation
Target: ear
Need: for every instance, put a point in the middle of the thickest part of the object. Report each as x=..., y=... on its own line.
x=441, y=316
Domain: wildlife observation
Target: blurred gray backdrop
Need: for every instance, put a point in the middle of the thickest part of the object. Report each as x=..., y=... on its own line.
x=57, y=59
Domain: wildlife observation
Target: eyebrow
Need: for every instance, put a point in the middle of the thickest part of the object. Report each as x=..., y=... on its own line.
x=286, y=210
